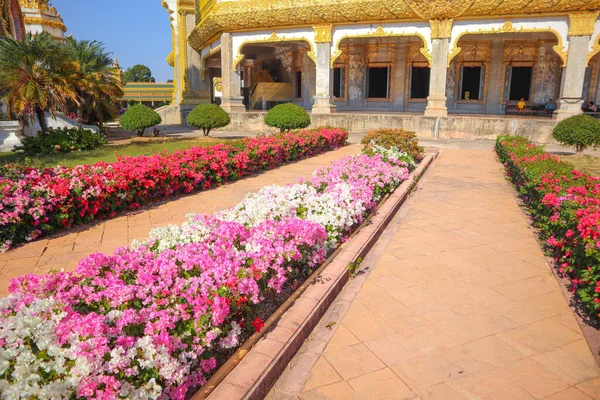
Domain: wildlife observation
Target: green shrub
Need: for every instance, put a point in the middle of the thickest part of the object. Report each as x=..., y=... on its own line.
x=581, y=131
x=207, y=117
x=287, y=116
x=139, y=117
x=62, y=140
x=405, y=141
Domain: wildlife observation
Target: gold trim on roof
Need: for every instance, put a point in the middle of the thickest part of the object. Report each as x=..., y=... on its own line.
x=45, y=21
x=253, y=14
x=509, y=28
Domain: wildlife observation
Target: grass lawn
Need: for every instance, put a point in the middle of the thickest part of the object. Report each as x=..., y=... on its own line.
x=109, y=153
x=588, y=164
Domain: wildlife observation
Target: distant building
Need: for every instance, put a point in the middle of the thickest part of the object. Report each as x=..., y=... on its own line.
x=429, y=58
x=149, y=93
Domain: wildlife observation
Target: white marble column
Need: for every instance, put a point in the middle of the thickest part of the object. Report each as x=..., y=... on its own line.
x=232, y=101
x=581, y=27
x=322, y=104
x=436, y=101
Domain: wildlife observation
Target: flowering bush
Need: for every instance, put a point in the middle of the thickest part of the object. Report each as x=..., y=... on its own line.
x=565, y=205
x=150, y=320
x=61, y=140
x=35, y=202
x=404, y=141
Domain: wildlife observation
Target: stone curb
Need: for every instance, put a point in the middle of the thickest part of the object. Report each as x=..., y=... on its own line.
x=260, y=369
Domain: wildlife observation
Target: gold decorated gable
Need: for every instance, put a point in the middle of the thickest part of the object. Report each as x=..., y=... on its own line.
x=266, y=14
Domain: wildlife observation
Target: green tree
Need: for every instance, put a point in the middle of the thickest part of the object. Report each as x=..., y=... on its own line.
x=139, y=73
x=287, y=116
x=37, y=76
x=97, y=82
x=208, y=117
x=581, y=131
x=139, y=117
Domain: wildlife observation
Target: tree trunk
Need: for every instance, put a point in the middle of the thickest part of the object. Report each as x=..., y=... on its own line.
x=41, y=119
x=580, y=148
x=140, y=132
x=206, y=132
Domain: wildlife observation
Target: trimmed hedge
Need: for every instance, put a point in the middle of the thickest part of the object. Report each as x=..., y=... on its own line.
x=287, y=116
x=208, y=117
x=581, y=131
x=565, y=206
x=138, y=118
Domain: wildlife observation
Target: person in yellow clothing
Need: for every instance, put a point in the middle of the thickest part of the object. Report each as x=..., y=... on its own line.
x=522, y=106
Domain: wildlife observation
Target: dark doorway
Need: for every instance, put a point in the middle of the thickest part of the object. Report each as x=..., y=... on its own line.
x=471, y=83
x=520, y=83
x=298, y=84
x=338, y=76
x=378, y=82
x=419, y=82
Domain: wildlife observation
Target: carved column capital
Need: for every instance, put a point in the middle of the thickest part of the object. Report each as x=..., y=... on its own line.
x=582, y=23
x=441, y=28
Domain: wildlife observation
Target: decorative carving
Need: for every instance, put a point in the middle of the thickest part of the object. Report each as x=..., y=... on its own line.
x=229, y=16
x=46, y=21
x=379, y=32
x=322, y=33
x=595, y=50
x=474, y=52
x=274, y=38
x=356, y=66
x=508, y=27
x=218, y=84
x=520, y=51
x=582, y=23
x=441, y=28
x=42, y=5
x=380, y=53
x=548, y=74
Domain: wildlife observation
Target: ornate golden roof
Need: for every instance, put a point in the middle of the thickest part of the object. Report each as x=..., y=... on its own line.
x=49, y=17
x=250, y=14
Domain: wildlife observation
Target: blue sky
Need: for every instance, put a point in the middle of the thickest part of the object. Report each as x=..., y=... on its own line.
x=137, y=31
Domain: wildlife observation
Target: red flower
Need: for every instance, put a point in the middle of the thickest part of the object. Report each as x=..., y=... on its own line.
x=258, y=324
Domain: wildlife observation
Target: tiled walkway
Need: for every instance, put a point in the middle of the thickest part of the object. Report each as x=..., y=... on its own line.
x=460, y=305
x=65, y=251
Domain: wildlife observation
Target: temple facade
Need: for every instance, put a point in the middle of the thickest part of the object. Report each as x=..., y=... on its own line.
x=398, y=56
x=40, y=16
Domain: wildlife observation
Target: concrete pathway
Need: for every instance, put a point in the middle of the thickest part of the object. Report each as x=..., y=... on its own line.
x=65, y=251
x=460, y=304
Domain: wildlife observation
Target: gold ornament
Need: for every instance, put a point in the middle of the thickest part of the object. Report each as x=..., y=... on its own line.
x=441, y=28
x=322, y=33
x=582, y=23
x=45, y=21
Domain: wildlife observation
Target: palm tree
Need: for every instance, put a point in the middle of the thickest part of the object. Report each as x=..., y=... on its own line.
x=36, y=74
x=96, y=82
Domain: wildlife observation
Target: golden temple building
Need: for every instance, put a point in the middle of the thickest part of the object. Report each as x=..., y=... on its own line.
x=40, y=16
x=431, y=58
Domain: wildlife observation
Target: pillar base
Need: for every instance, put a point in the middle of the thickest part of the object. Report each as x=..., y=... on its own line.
x=436, y=107
x=233, y=105
x=323, y=105
x=568, y=108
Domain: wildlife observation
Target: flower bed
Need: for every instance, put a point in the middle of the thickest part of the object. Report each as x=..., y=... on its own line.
x=152, y=319
x=37, y=202
x=565, y=205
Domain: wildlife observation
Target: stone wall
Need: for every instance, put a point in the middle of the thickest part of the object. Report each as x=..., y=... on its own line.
x=455, y=126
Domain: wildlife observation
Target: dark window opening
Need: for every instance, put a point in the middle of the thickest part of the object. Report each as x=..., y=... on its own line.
x=419, y=82
x=520, y=83
x=338, y=82
x=298, y=84
x=471, y=83
x=379, y=82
